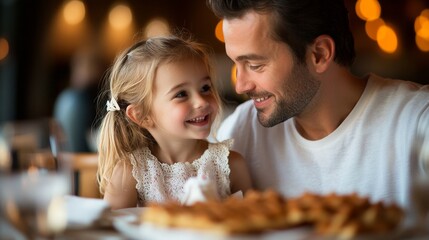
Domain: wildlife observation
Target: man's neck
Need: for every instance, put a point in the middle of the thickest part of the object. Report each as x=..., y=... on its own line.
x=335, y=100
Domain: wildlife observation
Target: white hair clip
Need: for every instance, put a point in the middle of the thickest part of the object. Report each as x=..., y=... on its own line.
x=112, y=105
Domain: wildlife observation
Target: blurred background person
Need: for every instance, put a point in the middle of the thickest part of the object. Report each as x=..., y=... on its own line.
x=75, y=108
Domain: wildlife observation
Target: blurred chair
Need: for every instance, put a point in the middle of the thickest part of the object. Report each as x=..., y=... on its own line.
x=84, y=166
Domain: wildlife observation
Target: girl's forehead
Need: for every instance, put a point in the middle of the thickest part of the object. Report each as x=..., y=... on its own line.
x=184, y=64
x=181, y=71
x=183, y=58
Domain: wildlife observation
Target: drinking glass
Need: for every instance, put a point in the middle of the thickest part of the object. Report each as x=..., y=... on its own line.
x=34, y=177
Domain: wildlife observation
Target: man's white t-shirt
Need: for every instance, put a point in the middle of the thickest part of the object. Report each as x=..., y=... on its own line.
x=369, y=153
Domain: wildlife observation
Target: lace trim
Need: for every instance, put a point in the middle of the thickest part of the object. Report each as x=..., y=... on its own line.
x=161, y=182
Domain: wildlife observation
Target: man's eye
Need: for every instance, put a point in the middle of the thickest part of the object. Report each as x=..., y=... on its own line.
x=255, y=67
x=206, y=88
x=181, y=94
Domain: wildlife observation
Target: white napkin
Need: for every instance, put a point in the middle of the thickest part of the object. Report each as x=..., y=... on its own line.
x=238, y=194
x=199, y=189
x=84, y=212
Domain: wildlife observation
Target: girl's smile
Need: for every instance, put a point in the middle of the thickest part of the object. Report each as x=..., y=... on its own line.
x=199, y=121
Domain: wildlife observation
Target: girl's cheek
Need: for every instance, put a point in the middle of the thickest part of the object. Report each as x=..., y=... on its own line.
x=214, y=104
x=179, y=112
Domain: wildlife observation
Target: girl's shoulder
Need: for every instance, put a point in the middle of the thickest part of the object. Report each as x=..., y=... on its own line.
x=123, y=164
x=142, y=153
x=227, y=144
x=122, y=168
x=223, y=150
x=235, y=156
x=219, y=149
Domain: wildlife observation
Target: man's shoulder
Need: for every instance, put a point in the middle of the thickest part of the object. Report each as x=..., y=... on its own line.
x=404, y=86
x=399, y=92
x=404, y=99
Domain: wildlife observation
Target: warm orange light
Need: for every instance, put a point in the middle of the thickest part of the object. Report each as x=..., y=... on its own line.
x=157, y=27
x=422, y=44
x=425, y=13
x=74, y=12
x=234, y=75
x=371, y=27
x=358, y=11
x=219, y=31
x=120, y=17
x=387, y=39
x=421, y=26
x=368, y=10
x=4, y=48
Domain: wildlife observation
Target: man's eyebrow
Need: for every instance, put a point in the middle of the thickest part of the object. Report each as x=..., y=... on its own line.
x=249, y=57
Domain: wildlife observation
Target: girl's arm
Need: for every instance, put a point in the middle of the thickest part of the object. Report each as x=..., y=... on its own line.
x=121, y=191
x=239, y=176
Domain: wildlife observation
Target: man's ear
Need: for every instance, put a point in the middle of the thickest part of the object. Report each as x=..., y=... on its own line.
x=322, y=53
x=135, y=115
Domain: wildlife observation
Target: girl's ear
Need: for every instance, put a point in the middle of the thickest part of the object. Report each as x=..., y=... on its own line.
x=135, y=115
x=322, y=53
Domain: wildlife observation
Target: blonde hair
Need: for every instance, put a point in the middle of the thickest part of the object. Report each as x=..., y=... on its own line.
x=130, y=82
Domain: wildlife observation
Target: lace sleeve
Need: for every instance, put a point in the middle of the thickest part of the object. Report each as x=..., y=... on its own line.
x=219, y=153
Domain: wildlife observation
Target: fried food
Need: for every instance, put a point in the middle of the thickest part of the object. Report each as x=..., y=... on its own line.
x=344, y=216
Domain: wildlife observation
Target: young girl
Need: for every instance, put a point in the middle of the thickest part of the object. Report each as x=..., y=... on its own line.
x=153, y=137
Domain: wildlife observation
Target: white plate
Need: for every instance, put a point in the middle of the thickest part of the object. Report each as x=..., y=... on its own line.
x=128, y=226
x=131, y=228
x=135, y=211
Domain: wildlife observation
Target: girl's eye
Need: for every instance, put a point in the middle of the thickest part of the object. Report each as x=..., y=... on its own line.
x=206, y=88
x=181, y=94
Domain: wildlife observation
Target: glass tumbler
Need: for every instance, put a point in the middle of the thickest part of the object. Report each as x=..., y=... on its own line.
x=34, y=177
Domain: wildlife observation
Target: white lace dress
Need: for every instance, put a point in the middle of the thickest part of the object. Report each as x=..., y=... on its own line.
x=159, y=182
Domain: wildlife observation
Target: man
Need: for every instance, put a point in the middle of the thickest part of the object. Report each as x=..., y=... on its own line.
x=310, y=124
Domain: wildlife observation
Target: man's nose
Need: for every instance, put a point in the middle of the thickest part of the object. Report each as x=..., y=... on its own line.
x=243, y=83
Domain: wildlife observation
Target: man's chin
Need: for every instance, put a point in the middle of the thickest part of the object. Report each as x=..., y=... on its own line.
x=269, y=120
x=264, y=120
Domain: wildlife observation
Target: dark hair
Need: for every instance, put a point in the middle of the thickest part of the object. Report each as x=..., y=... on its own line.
x=298, y=22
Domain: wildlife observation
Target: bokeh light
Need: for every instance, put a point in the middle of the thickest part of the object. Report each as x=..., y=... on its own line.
x=358, y=11
x=74, y=12
x=421, y=26
x=425, y=13
x=234, y=75
x=157, y=27
x=371, y=27
x=219, y=31
x=422, y=43
x=4, y=48
x=120, y=17
x=387, y=39
x=368, y=10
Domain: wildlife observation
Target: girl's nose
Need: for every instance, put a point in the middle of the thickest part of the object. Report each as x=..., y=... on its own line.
x=199, y=101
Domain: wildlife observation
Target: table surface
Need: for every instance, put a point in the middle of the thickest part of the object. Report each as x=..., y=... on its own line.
x=102, y=232
x=108, y=231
